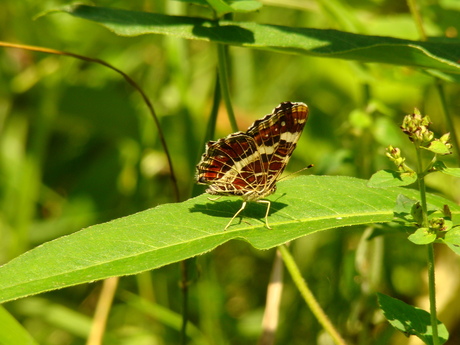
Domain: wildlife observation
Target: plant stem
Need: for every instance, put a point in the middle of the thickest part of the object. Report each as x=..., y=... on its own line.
x=422, y=188
x=223, y=78
x=184, y=289
x=308, y=296
x=417, y=18
x=104, y=304
x=431, y=277
x=432, y=294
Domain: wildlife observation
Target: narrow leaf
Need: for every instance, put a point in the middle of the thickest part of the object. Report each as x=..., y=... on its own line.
x=316, y=42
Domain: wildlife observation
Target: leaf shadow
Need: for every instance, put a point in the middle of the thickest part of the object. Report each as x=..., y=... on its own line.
x=227, y=208
x=222, y=33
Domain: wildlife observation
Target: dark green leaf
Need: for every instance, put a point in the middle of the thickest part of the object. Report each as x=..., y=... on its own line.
x=390, y=178
x=173, y=232
x=417, y=213
x=410, y=320
x=317, y=42
x=196, y=2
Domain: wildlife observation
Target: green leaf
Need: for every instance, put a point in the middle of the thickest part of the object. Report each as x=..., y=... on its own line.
x=410, y=320
x=417, y=213
x=220, y=7
x=12, y=332
x=389, y=178
x=453, y=236
x=441, y=167
x=316, y=42
x=196, y=2
x=452, y=239
x=451, y=171
x=173, y=232
x=244, y=6
x=438, y=147
x=422, y=236
x=404, y=204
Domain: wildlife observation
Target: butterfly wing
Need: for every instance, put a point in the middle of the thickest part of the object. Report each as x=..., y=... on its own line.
x=276, y=137
x=225, y=163
x=249, y=164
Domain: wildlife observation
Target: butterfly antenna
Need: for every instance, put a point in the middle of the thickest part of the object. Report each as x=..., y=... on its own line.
x=296, y=172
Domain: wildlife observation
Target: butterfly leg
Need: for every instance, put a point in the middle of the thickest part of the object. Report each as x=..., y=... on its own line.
x=268, y=210
x=236, y=214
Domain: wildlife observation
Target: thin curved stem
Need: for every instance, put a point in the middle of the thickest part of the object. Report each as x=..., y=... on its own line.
x=130, y=81
x=308, y=296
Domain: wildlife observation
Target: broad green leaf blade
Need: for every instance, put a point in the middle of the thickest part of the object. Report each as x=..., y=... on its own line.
x=390, y=178
x=410, y=320
x=173, y=232
x=12, y=332
x=440, y=55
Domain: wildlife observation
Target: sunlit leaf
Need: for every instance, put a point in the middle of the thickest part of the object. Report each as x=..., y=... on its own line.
x=173, y=232
x=422, y=236
x=390, y=178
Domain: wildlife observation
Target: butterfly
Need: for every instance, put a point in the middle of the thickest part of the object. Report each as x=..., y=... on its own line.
x=248, y=164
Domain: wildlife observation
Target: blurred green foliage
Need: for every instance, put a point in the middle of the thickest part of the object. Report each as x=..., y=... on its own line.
x=77, y=147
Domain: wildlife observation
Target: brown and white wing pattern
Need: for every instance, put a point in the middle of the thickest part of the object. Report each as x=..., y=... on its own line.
x=248, y=164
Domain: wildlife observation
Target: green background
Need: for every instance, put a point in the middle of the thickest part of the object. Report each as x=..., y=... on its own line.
x=78, y=147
